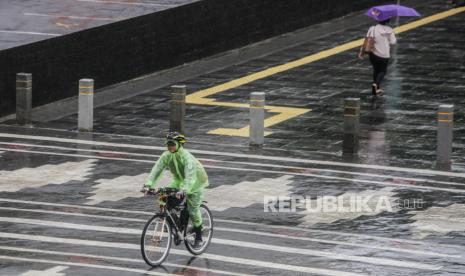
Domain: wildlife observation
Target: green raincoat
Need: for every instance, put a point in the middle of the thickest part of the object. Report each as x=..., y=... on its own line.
x=188, y=175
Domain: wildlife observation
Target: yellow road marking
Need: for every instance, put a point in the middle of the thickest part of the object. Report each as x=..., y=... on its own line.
x=286, y=113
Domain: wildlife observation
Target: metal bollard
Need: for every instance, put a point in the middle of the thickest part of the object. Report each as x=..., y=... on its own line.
x=351, y=126
x=257, y=119
x=445, y=136
x=178, y=108
x=23, y=98
x=86, y=105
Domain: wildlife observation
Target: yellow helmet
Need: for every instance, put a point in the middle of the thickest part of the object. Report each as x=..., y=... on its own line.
x=175, y=136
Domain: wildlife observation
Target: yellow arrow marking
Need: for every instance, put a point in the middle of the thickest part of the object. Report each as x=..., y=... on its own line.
x=286, y=113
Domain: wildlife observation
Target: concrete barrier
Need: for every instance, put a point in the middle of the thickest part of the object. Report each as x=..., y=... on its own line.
x=23, y=98
x=444, y=137
x=351, y=126
x=257, y=119
x=86, y=105
x=178, y=108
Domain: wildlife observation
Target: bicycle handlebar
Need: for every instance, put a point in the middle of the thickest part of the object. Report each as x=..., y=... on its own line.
x=165, y=190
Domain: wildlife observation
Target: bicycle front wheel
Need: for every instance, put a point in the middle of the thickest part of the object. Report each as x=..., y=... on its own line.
x=155, y=242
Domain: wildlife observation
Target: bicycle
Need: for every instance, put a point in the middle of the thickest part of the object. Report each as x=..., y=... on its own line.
x=172, y=224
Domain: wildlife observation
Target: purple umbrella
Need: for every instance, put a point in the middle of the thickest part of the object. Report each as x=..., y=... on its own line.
x=381, y=13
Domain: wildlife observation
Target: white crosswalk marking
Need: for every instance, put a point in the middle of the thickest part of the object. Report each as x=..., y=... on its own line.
x=227, y=259
x=438, y=220
x=54, y=271
x=122, y=187
x=58, y=233
x=395, y=178
x=240, y=155
x=407, y=242
x=344, y=179
x=318, y=216
x=302, y=251
x=73, y=254
x=12, y=181
x=247, y=193
x=233, y=243
x=257, y=233
x=116, y=268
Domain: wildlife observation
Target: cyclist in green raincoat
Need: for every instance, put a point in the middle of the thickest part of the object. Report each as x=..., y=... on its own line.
x=189, y=177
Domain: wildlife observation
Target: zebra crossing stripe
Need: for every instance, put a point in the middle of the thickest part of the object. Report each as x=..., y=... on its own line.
x=251, y=232
x=257, y=170
x=117, y=268
x=241, y=261
x=240, y=155
x=282, y=249
x=168, y=264
x=254, y=224
x=153, y=156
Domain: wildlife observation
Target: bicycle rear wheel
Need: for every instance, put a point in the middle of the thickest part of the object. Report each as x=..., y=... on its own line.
x=207, y=232
x=155, y=241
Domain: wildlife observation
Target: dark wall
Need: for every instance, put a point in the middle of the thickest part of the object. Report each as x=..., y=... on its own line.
x=123, y=50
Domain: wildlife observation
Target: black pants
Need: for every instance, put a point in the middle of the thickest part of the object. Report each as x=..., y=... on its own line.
x=379, y=68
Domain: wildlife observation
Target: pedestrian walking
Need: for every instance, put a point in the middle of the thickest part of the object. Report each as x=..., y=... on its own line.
x=380, y=37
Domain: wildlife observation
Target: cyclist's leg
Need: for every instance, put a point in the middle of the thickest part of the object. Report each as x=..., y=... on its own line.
x=193, y=205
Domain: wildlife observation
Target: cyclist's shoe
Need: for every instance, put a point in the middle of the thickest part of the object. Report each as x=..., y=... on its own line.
x=198, y=237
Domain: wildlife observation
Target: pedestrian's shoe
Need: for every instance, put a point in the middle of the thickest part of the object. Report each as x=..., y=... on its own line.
x=198, y=237
x=374, y=88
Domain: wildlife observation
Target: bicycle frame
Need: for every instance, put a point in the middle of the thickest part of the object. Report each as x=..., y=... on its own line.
x=178, y=233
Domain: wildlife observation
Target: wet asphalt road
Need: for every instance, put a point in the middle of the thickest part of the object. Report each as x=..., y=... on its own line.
x=69, y=202
x=72, y=202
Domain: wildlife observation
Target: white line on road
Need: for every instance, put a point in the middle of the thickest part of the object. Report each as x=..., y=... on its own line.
x=79, y=155
x=354, y=180
x=240, y=155
x=383, y=248
x=28, y=33
x=241, y=261
x=72, y=16
x=117, y=268
x=76, y=206
x=329, y=255
x=66, y=225
x=261, y=246
x=292, y=228
x=100, y=257
x=258, y=233
x=71, y=214
x=153, y=156
x=421, y=187
x=127, y=3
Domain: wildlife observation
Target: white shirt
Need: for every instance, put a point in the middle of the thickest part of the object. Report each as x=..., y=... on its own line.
x=384, y=38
